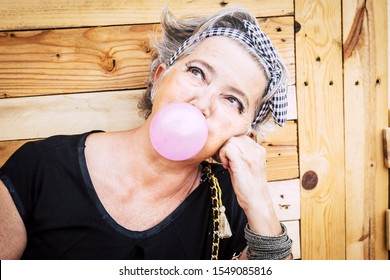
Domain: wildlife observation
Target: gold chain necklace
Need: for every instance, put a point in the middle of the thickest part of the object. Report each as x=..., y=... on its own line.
x=221, y=227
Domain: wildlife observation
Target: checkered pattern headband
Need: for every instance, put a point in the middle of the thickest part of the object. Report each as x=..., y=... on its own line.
x=269, y=58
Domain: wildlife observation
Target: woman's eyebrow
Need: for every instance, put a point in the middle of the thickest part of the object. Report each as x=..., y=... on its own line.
x=204, y=64
x=241, y=94
x=211, y=69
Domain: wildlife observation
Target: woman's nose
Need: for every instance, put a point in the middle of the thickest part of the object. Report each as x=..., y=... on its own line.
x=204, y=101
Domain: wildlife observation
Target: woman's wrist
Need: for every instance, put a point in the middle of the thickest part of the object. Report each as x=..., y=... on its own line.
x=261, y=247
x=263, y=220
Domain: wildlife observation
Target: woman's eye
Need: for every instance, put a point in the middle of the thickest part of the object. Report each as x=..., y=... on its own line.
x=236, y=102
x=196, y=71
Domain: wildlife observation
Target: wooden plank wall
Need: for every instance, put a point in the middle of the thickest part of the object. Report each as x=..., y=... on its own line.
x=69, y=66
x=342, y=98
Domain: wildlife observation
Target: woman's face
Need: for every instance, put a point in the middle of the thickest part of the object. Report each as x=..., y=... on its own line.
x=222, y=80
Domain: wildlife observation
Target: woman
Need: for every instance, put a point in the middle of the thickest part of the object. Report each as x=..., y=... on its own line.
x=113, y=196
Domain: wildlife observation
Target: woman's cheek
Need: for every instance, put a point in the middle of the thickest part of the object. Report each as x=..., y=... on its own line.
x=216, y=138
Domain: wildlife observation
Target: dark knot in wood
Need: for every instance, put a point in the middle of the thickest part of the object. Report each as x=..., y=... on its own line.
x=309, y=180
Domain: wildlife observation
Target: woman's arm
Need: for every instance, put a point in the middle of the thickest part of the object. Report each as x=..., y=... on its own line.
x=246, y=161
x=13, y=237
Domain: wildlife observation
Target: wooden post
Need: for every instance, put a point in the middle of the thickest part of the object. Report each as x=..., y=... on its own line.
x=319, y=83
x=365, y=102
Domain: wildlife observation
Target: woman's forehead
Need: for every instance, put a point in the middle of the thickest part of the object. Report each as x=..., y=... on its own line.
x=228, y=50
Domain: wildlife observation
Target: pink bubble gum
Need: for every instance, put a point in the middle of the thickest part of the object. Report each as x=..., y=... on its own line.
x=178, y=131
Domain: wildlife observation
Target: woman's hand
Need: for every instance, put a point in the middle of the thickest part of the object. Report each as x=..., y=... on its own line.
x=246, y=161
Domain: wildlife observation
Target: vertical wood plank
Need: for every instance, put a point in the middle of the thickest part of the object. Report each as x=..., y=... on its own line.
x=365, y=87
x=319, y=84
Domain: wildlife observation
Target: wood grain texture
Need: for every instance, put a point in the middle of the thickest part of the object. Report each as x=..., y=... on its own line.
x=319, y=81
x=366, y=99
x=97, y=59
x=282, y=152
x=74, y=60
x=34, y=14
x=286, y=199
x=386, y=146
x=43, y=116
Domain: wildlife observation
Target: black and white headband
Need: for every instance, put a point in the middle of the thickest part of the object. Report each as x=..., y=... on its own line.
x=269, y=57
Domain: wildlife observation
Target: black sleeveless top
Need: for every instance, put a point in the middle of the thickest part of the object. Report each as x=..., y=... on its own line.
x=64, y=218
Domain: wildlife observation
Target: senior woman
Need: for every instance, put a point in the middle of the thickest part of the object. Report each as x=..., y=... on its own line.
x=103, y=195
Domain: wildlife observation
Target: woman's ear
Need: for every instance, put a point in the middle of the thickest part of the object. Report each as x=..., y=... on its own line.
x=159, y=70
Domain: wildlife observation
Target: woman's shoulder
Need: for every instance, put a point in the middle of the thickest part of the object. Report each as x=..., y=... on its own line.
x=57, y=140
x=50, y=148
x=65, y=139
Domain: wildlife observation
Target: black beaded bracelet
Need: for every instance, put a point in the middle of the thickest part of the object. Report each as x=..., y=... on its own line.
x=268, y=247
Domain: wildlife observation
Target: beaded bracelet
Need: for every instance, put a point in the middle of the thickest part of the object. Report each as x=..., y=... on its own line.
x=268, y=247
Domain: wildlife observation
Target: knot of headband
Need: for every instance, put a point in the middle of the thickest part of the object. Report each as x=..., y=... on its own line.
x=259, y=42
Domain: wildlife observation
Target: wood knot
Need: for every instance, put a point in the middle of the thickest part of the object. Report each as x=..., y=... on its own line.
x=355, y=33
x=364, y=237
x=223, y=3
x=145, y=47
x=109, y=64
x=297, y=27
x=309, y=180
x=284, y=206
